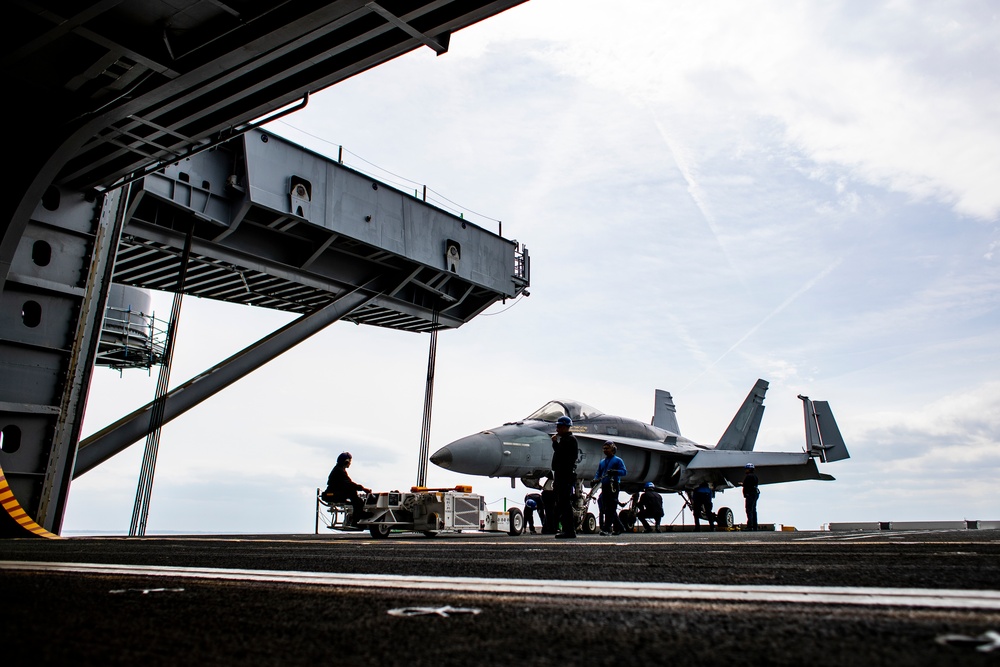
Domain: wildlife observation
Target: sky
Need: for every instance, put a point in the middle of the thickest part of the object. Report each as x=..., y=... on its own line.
x=710, y=193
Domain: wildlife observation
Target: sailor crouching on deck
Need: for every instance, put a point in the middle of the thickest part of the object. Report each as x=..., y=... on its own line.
x=650, y=507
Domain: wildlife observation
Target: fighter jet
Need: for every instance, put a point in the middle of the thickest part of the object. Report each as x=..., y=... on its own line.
x=654, y=452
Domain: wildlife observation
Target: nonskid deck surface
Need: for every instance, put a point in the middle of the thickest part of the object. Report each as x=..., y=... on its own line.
x=823, y=597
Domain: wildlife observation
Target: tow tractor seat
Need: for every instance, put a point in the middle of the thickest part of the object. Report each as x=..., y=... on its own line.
x=338, y=509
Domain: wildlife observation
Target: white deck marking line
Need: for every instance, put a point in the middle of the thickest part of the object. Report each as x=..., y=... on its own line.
x=900, y=597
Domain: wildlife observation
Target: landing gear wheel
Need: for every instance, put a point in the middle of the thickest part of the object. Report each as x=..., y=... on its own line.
x=589, y=526
x=380, y=531
x=430, y=533
x=724, y=518
x=516, y=521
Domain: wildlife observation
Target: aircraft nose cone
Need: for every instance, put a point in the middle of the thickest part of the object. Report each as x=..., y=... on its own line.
x=473, y=455
x=442, y=457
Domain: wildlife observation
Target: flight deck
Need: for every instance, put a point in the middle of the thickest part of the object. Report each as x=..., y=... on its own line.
x=922, y=597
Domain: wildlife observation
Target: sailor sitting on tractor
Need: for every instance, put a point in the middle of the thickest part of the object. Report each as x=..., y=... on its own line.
x=340, y=488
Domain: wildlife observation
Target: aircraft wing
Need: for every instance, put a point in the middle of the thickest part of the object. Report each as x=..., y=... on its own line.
x=671, y=445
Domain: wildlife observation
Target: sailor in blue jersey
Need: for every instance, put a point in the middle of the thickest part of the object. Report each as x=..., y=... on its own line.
x=533, y=503
x=610, y=471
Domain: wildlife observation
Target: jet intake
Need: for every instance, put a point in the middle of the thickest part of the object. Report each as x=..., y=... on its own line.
x=673, y=479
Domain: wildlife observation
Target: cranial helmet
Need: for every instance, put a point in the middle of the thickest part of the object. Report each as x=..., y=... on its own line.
x=529, y=502
x=564, y=421
x=749, y=466
x=344, y=456
x=649, y=485
x=613, y=446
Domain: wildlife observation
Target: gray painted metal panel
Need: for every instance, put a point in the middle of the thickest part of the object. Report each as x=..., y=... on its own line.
x=355, y=205
x=29, y=375
x=278, y=226
x=39, y=324
x=45, y=261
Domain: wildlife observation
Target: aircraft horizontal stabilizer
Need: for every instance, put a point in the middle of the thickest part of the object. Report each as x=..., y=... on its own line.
x=822, y=433
x=771, y=467
x=719, y=458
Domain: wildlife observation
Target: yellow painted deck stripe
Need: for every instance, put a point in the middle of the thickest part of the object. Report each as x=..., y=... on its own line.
x=16, y=512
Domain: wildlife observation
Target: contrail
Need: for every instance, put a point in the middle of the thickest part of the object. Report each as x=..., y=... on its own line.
x=697, y=194
x=784, y=304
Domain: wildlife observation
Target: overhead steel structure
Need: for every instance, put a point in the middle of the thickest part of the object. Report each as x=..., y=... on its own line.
x=135, y=121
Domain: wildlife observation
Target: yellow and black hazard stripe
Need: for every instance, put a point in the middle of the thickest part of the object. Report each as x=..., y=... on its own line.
x=17, y=513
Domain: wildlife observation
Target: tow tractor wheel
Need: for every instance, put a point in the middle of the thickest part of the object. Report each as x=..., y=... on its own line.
x=380, y=530
x=516, y=521
x=589, y=524
x=724, y=518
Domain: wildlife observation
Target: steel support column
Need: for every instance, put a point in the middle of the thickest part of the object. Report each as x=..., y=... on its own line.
x=51, y=313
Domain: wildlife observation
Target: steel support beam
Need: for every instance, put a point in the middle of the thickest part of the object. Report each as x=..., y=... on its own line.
x=62, y=457
x=133, y=427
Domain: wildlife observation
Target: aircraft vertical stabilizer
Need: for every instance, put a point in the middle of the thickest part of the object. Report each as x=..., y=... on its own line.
x=822, y=433
x=665, y=412
x=742, y=432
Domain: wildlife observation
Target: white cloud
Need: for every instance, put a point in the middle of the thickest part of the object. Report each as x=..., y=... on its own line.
x=899, y=95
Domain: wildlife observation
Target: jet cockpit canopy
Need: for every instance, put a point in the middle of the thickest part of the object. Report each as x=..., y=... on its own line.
x=553, y=410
